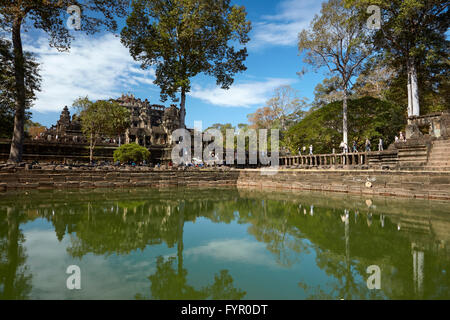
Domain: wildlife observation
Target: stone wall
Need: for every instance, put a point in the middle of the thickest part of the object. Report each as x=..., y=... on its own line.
x=43, y=151
x=58, y=152
x=420, y=184
x=94, y=178
x=427, y=185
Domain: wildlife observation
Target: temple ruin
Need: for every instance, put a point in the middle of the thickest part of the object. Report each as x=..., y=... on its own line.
x=150, y=125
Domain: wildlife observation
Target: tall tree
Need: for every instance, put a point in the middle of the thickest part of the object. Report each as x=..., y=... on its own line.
x=326, y=92
x=120, y=120
x=412, y=34
x=374, y=80
x=280, y=112
x=337, y=40
x=7, y=86
x=48, y=16
x=322, y=127
x=100, y=118
x=183, y=38
x=287, y=106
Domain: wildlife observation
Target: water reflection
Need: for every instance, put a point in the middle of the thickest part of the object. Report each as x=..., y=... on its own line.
x=15, y=280
x=407, y=239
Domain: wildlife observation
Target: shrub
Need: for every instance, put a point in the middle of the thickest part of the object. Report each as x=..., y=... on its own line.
x=367, y=117
x=131, y=152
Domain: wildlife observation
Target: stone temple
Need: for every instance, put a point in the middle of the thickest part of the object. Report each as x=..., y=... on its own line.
x=150, y=125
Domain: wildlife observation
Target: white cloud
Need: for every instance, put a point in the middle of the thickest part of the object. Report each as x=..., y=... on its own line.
x=98, y=67
x=239, y=95
x=234, y=250
x=282, y=28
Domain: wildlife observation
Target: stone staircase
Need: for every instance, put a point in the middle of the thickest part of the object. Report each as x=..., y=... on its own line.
x=439, y=158
x=383, y=159
x=414, y=155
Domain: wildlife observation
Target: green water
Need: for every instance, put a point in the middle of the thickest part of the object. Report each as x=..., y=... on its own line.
x=221, y=244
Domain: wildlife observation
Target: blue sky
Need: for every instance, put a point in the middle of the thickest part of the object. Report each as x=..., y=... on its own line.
x=100, y=67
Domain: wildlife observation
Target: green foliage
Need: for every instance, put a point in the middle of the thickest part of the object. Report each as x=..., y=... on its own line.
x=131, y=152
x=101, y=118
x=336, y=40
x=8, y=90
x=50, y=17
x=222, y=128
x=409, y=29
x=326, y=92
x=243, y=131
x=119, y=119
x=434, y=89
x=368, y=118
x=413, y=33
x=183, y=38
x=168, y=284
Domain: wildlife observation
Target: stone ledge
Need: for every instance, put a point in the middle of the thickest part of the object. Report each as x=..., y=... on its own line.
x=420, y=184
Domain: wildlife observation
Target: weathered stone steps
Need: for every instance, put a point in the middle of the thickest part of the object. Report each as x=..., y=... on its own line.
x=439, y=155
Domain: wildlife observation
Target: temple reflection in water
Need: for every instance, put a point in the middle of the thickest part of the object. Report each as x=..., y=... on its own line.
x=222, y=244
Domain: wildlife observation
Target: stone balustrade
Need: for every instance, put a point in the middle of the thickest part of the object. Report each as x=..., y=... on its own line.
x=319, y=160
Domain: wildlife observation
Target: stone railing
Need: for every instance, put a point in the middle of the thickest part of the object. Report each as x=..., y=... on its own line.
x=435, y=125
x=320, y=160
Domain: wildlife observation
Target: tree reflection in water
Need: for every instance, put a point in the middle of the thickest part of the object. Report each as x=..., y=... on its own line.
x=15, y=279
x=345, y=234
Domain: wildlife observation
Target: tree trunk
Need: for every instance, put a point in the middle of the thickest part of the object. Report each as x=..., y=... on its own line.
x=409, y=94
x=183, y=108
x=344, y=116
x=16, y=150
x=414, y=90
x=91, y=149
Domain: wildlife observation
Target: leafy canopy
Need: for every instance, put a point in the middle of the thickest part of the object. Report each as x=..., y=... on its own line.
x=183, y=38
x=413, y=31
x=8, y=93
x=50, y=16
x=131, y=152
x=409, y=29
x=368, y=118
x=336, y=40
x=102, y=117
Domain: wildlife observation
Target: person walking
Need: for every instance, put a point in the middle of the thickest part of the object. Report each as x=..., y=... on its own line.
x=367, y=145
x=310, y=149
x=355, y=147
x=344, y=147
x=380, y=145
